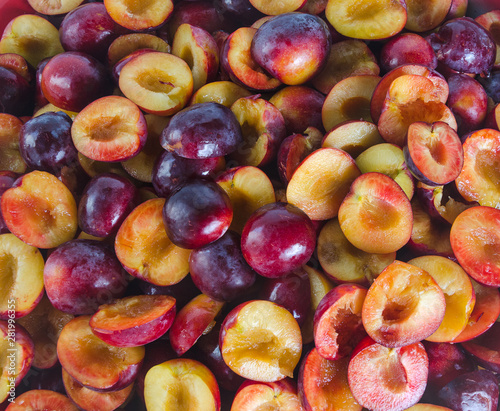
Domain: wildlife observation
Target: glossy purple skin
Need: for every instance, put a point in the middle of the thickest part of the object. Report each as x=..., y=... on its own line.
x=241, y=10
x=465, y=46
x=277, y=239
x=46, y=379
x=203, y=130
x=477, y=390
x=106, y=201
x=407, y=48
x=468, y=102
x=7, y=179
x=207, y=351
x=272, y=46
x=219, y=269
x=292, y=291
x=45, y=142
x=81, y=275
x=197, y=213
x=446, y=363
x=171, y=170
x=17, y=95
x=89, y=29
x=72, y=79
x=491, y=85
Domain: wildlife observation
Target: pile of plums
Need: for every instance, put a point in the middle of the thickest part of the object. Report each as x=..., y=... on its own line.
x=243, y=205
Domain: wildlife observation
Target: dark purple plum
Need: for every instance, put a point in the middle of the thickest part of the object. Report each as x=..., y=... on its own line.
x=292, y=291
x=468, y=102
x=106, y=201
x=45, y=142
x=81, y=275
x=446, y=363
x=71, y=80
x=477, y=390
x=89, y=29
x=197, y=213
x=219, y=269
x=277, y=239
x=45, y=379
x=202, y=130
x=465, y=46
x=241, y=10
x=207, y=350
x=491, y=85
x=17, y=95
x=183, y=292
x=171, y=170
x=7, y=179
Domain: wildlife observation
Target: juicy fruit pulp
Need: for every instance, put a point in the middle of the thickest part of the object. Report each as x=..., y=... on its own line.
x=250, y=204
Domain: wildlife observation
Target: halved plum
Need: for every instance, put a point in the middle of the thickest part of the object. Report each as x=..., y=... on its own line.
x=349, y=99
x=486, y=311
x=411, y=98
x=139, y=16
x=433, y=152
x=42, y=400
x=484, y=348
x=135, y=320
x=480, y=176
x=192, y=321
x=353, y=136
x=179, y=383
x=159, y=83
x=144, y=249
x=404, y=305
x=21, y=274
x=427, y=15
x=475, y=239
x=40, y=210
x=92, y=362
x=322, y=384
x=10, y=155
x=87, y=398
x=367, y=21
x=344, y=263
x=261, y=341
x=376, y=214
x=458, y=293
x=320, y=183
x=388, y=379
x=337, y=321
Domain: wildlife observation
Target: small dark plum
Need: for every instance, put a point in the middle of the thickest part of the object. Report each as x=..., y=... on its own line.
x=277, y=239
x=202, y=130
x=477, y=390
x=219, y=269
x=197, y=213
x=45, y=142
x=71, y=80
x=106, y=200
x=89, y=29
x=171, y=170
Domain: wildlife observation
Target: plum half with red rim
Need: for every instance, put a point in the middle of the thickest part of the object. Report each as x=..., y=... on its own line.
x=433, y=152
x=277, y=239
x=475, y=239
